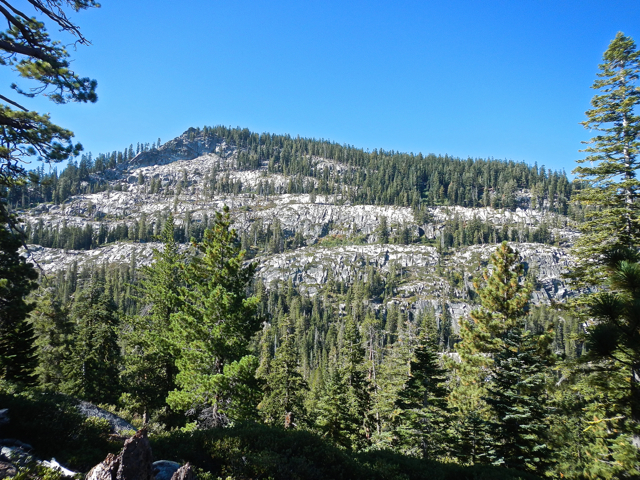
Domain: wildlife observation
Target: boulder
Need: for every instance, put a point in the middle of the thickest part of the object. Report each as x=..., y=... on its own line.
x=7, y=469
x=134, y=462
x=106, y=470
x=164, y=469
x=16, y=455
x=118, y=425
x=185, y=472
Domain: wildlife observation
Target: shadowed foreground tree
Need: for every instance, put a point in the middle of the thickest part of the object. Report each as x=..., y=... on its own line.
x=17, y=279
x=28, y=50
x=92, y=367
x=613, y=342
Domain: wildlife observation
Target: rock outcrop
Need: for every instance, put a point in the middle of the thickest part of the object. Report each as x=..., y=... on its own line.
x=185, y=472
x=118, y=425
x=335, y=241
x=164, y=469
x=134, y=462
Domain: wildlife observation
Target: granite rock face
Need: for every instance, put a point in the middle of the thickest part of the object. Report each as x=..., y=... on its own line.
x=340, y=241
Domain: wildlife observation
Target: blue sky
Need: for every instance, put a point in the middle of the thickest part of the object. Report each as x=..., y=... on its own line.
x=501, y=79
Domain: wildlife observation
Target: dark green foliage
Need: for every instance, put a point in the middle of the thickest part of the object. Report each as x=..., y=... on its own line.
x=424, y=420
x=259, y=451
x=54, y=427
x=150, y=360
x=474, y=443
x=17, y=279
x=613, y=341
x=517, y=397
x=92, y=368
x=284, y=386
x=212, y=329
x=52, y=330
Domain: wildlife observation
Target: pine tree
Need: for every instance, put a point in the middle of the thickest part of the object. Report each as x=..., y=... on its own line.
x=358, y=388
x=213, y=328
x=17, y=279
x=345, y=405
x=52, y=330
x=91, y=370
x=424, y=417
x=333, y=419
x=608, y=174
x=150, y=361
x=503, y=302
x=284, y=388
x=33, y=54
x=390, y=378
x=613, y=343
x=516, y=395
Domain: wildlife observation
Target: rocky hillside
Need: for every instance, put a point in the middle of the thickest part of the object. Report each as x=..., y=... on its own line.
x=309, y=238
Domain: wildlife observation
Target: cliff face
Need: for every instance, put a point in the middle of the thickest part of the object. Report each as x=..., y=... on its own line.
x=336, y=241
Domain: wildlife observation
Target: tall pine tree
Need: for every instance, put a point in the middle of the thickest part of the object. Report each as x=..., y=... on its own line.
x=284, y=386
x=17, y=279
x=150, y=361
x=609, y=171
x=92, y=367
x=216, y=372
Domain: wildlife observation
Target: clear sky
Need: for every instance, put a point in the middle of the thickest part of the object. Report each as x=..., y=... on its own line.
x=503, y=79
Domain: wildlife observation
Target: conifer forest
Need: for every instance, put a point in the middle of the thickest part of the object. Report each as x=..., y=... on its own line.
x=269, y=306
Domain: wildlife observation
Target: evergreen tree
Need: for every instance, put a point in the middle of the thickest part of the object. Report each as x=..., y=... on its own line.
x=345, y=404
x=52, y=331
x=91, y=370
x=284, y=388
x=213, y=328
x=613, y=343
x=333, y=419
x=390, y=378
x=150, y=361
x=608, y=172
x=516, y=395
x=17, y=279
x=358, y=388
x=424, y=417
x=503, y=302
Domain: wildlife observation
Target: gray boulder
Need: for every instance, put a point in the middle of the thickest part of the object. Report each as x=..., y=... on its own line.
x=118, y=425
x=164, y=469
